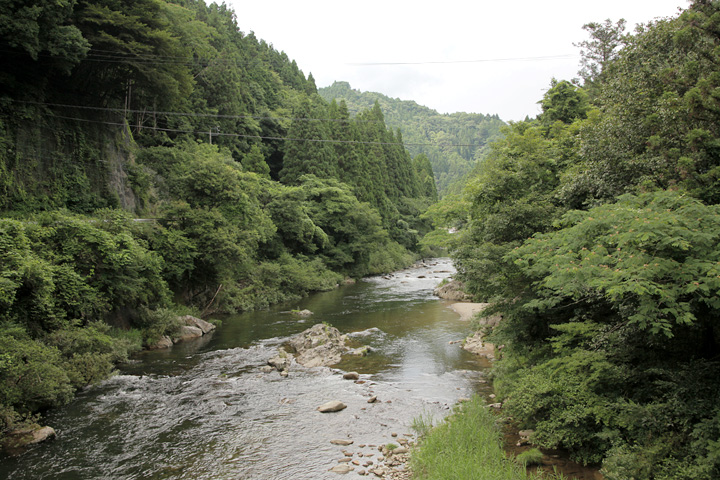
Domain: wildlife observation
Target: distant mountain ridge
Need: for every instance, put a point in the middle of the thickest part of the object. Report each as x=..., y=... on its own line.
x=459, y=140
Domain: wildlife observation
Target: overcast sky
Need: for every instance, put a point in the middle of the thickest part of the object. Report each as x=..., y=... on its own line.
x=498, y=45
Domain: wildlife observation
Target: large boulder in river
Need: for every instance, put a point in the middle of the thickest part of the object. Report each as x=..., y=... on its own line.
x=453, y=290
x=16, y=440
x=319, y=345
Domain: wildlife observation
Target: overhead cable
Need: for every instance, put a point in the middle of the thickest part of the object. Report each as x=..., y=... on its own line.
x=264, y=137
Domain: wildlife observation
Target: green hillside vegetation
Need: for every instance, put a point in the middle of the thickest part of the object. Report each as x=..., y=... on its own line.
x=594, y=230
x=253, y=189
x=453, y=143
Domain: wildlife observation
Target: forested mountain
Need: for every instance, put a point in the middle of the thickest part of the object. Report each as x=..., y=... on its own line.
x=453, y=143
x=594, y=230
x=256, y=189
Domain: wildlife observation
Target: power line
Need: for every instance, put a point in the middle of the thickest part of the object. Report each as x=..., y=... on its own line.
x=188, y=114
x=264, y=137
x=484, y=60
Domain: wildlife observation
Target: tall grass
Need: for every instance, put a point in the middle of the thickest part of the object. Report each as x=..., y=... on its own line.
x=467, y=445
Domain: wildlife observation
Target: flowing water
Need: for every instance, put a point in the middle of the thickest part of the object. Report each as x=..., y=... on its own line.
x=205, y=409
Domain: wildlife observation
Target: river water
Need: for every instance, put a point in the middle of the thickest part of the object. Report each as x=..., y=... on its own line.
x=205, y=409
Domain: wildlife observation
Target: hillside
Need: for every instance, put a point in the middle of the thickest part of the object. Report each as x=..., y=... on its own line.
x=421, y=126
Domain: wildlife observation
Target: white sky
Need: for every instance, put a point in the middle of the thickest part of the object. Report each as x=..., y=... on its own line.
x=325, y=37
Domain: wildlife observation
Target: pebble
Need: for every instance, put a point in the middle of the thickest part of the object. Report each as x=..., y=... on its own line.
x=342, y=468
x=333, y=406
x=340, y=441
x=372, y=399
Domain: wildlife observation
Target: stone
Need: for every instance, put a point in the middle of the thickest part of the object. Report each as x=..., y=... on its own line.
x=351, y=376
x=332, y=406
x=453, y=290
x=372, y=399
x=303, y=313
x=495, y=405
x=319, y=345
x=21, y=438
x=344, y=460
x=187, y=332
x=400, y=450
x=393, y=434
x=340, y=441
x=476, y=345
x=342, y=468
x=205, y=327
x=360, y=351
x=280, y=362
x=525, y=437
x=164, y=342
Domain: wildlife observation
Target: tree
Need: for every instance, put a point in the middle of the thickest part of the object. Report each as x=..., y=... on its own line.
x=563, y=102
x=602, y=48
x=307, y=150
x=254, y=161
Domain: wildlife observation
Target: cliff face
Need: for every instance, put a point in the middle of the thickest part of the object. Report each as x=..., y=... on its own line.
x=49, y=162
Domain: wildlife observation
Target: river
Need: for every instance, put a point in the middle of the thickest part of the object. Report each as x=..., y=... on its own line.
x=206, y=410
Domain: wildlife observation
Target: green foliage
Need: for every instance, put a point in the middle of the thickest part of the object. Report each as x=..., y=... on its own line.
x=512, y=197
x=564, y=103
x=654, y=254
x=657, y=126
x=284, y=279
x=601, y=49
x=530, y=457
x=32, y=376
x=590, y=363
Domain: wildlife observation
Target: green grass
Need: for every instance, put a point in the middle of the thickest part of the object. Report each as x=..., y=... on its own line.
x=530, y=457
x=467, y=445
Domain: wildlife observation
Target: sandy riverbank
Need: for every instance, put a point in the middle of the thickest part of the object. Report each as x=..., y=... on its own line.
x=466, y=310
